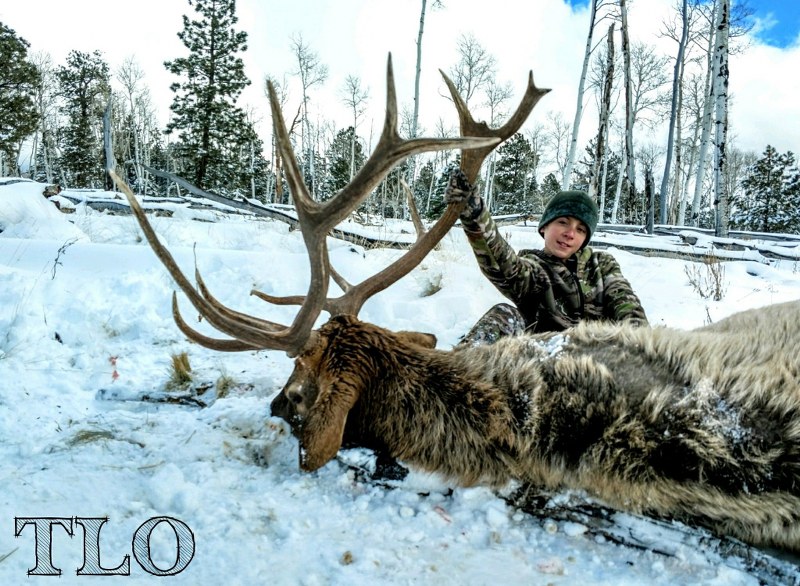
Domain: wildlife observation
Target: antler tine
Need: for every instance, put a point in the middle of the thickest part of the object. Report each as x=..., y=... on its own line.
x=248, y=334
x=472, y=160
x=314, y=234
x=222, y=345
x=256, y=322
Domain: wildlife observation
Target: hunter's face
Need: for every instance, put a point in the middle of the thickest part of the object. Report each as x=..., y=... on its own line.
x=564, y=236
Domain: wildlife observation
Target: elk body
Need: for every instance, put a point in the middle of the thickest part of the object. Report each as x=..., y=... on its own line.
x=702, y=426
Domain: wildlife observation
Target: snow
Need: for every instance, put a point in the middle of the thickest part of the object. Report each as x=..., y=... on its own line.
x=86, y=330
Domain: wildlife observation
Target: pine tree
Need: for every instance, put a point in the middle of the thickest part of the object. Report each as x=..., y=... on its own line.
x=213, y=131
x=550, y=187
x=513, y=176
x=84, y=87
x=343, y=148
x=434, y=181
x=423, y=188
x=583, y=172
x=18, y=81
x=772, y=195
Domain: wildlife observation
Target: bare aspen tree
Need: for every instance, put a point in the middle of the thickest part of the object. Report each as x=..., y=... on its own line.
x=576, y=123
x=677, y=79
x=647, y=79
x=152, y=132
x=46, y=99
x=556, y=137
x=649, y=194
x=108, y=147
x=738, y=166
x=475, y=68
x=602, y=129
x=630, y=169
x=418, y=72
x=603, y=185
x=496, y=96
x=693, y=98
x=721, y=74
x=650, y=82
x=474, y=71
x=355, y=97
x=620, y=181
x=676, y=197
x=418, y=69
x=738, y=25
x=705, y=133
x=312, y=72
x=130, y=77
x=417, y=75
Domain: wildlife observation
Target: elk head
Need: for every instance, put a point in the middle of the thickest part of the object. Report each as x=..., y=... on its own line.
x=310, y=388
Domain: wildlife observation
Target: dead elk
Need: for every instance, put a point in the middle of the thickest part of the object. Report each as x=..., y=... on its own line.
x=699, y=425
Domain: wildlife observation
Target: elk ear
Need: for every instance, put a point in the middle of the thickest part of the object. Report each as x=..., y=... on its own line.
x=418, y=338
x=324, y=428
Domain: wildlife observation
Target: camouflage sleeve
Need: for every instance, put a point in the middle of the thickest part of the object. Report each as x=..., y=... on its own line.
x=514, y=277
x=619, y=300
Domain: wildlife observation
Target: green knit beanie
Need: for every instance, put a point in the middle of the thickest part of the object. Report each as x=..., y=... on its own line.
x=576, y=204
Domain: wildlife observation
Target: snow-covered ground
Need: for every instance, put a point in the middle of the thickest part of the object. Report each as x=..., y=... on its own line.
x=86, y=331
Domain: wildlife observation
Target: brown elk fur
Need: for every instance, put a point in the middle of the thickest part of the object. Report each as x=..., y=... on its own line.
x=701, y=426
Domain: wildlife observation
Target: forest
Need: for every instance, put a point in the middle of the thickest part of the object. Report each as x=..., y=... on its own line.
x=67, y=123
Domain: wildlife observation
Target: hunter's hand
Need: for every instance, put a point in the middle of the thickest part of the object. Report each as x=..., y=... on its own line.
x=460, y=190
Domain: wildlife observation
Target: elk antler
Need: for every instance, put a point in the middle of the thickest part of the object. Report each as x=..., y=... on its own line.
x=316, y=219
x=354, y=297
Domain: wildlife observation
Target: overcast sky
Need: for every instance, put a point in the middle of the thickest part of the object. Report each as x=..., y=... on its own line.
x=353, y=37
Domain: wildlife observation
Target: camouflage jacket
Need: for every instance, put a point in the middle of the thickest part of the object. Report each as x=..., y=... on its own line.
x=550, y=293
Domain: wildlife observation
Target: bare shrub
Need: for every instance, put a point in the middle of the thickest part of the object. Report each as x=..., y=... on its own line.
x=707, y=278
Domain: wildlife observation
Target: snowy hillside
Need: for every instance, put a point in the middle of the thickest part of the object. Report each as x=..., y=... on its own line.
x=86, y=334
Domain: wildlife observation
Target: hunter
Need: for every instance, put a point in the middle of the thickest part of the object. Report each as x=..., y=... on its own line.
x=554, y=288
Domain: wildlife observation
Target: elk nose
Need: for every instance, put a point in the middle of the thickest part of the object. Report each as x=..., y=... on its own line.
x=295, y=396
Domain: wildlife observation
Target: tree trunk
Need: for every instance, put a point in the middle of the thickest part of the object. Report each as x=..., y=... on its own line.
x=678, y=196
x=605, y=107
x=693, y=154
x=565, y=182
x=111, y=163
x=704, y=137
x=721, y=74
x=252, y=170
x=618, y=189
x=48, y=166
x=353, y=154
x=603, y=185
x=418, y=71
x=676, y=83
x=649, y=191
x=630, y=169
